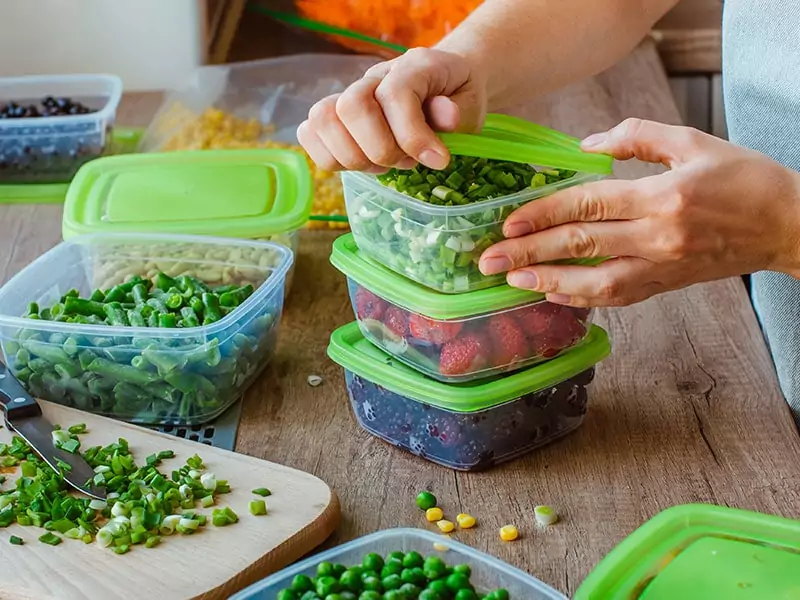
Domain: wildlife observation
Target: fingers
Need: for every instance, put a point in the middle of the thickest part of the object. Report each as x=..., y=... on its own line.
x=575, y=240
x=649, y=141
x=617, y=282
x=318, y=152
x=334, y=135
x=610, y=200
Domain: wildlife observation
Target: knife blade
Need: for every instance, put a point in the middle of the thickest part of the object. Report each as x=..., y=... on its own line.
x=24, y=416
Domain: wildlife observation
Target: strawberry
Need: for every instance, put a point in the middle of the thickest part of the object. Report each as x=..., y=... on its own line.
x=508, y=340
x=538, y=319
x=465, y=354
x=395, y=321
x=430, y=330
x=369, y=306
x=565, y=333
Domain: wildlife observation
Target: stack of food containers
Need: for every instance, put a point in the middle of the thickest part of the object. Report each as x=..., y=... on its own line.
x=482, y=372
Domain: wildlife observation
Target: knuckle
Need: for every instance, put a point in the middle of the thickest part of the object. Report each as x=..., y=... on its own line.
x=632, y=127
x=549, y=283
x=609, y=288
x=323, y=111
x=350, y=103
x=590, y=207
x=579, y=243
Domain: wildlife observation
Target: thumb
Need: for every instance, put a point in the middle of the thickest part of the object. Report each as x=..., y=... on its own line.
x=648, y=141
x=461, y=112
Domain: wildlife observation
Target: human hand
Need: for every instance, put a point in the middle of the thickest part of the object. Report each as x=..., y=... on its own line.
x=720, y=211
x=388, y=117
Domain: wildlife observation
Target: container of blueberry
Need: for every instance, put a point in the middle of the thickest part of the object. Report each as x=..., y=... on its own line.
x=466, y=426
x=455, y=338
x=432, y=226
x=51, y=125
x=147, y=328
x=395, y=564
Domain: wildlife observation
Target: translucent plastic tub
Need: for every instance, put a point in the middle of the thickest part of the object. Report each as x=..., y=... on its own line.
x=144, y=375
x=469, y=426
x=437, y=246
x=51, y=149
x=488, y=573
x=455, y=338
x=257, y=104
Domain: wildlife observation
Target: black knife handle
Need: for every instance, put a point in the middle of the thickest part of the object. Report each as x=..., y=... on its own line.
x=16, y=402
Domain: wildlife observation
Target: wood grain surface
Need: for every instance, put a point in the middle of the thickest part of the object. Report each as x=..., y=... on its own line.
x=687, y=409
x=213, y=564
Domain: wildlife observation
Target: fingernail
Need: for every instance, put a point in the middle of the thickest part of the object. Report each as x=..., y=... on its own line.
x=494, y=264
x=517, y=229
x=559, y=298
x=433, y=159
x=594, y=140
x=525, y=280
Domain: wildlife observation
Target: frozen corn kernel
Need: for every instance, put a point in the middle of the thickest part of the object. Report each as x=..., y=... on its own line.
x=465, y=521
x=434, y=514
x=445, y=526
x=545, y=515
x=508, y=533
x=441, y=547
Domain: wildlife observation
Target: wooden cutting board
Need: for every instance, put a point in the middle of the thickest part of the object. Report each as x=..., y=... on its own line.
x=214, y=563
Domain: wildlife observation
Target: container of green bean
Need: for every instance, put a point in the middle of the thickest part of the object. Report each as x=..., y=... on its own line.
x=146, y=328
x=432, y=226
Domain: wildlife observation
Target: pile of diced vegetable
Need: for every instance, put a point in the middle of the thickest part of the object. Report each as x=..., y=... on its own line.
x=141, y=377
x=142, y=503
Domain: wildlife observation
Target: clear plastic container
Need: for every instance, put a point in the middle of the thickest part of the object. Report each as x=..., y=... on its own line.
x=257, y=104
x=52, y=149
x=437, y=246
x=144, y=375
x=471, y=426
x=488, y=573
x=256, y=194
x=455, y=338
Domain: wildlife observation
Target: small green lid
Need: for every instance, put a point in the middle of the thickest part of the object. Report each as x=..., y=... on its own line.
x=226, y=193
x=513, y=139
x=351, y=350
x=417, y=298
x=701, y=552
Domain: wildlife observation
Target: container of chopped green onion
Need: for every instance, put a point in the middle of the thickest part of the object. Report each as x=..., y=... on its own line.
x=432, y=226
x=147, y=328
x=401, y=563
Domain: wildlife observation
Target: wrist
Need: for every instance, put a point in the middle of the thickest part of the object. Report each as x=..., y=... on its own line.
x=788, y=260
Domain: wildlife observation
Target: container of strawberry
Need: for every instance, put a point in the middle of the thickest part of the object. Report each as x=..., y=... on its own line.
x=455, y=338
x=433, y=225
x=466, y=426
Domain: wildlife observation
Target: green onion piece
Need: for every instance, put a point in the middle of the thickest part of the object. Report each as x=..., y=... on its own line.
x=152, y=541
x=50, y=539
x=15, y=541
x=258, y=507
x=264, y=492
x=122, y=549
x=77, y=429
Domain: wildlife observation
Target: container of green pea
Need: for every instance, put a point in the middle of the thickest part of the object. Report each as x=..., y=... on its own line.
x=433, y=226
x=396, y=564
x=138, y=327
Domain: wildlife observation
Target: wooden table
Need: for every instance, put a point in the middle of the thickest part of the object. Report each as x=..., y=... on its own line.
x=686, y=410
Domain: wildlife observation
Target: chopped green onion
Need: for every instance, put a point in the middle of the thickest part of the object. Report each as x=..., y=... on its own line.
x=77, y=429
x=258, y=507
x=15, y=541
x=264, y=492
x=50, y=539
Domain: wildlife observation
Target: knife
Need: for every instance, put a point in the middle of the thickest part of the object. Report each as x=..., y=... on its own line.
x=24, y=415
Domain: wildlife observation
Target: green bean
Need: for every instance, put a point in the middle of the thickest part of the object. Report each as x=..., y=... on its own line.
x=126, y=373
x=237, y=296
x=71, y=346
x=139, y=293
x=98, y=296
x=78, y=306
x=33, y=308
x=165, y=362
x=51, y=354
x=189, y=317
x=136, y=319
x=174, y=301
x=211, y=309
x=115, y=314
x=167, y=321
x=157, y=304
x=164, y=282
x=187, y=382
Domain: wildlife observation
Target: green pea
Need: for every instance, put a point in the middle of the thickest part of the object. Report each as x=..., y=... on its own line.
x=464, y=570
x=370, y=595
x=333, y=597
x=302, y=583
x=434, y=567
x=440, y=587
x=324, y=569
x=409, y=591
x=327, y=585
x=347, y=596
x=457, y=581
x=367, y=574
x=373, y=584
x=372, y=562
x=499, y=594
x=413, y=559
x=415, y=575
x=392, y=567
x=430, y=594
x=397, y=555
x=426, y=500
x=287, y=595
x=392, y=582
x=338, y=570
x=351, y=580
x=466, y=595
x=393, y=595
x=310, y=596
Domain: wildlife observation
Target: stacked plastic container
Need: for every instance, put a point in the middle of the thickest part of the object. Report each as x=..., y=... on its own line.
x=442, y=361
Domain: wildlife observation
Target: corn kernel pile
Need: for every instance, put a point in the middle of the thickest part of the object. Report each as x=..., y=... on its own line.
x=215, y=129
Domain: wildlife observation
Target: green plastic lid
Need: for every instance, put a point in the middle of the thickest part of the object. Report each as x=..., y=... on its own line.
x=509, y=138
x=226, y=193
x=701, y=552
x=351, y=350
x=417, y=298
